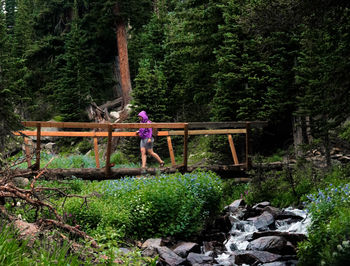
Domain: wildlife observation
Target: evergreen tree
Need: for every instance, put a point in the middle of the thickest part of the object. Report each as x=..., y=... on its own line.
x=191, y=38
x=323, y=65
x=9, y=121
x=150, y=92
x=10, y=6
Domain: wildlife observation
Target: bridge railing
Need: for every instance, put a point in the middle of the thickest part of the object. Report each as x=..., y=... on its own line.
x=173, y=129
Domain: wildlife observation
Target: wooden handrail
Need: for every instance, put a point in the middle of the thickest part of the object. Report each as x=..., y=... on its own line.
x=128, y=134
x=109, y=127
x=102, y=125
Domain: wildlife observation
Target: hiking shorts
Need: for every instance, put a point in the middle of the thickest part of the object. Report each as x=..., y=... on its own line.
x=147, y=145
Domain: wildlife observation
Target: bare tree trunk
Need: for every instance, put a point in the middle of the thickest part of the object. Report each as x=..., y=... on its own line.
x=117, y=91
x=123, y=57
x=297, y=134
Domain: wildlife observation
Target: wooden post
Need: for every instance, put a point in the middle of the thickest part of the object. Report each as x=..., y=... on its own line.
x=171, y=151
x=233, y=149
x=185, y=146
x=97, y=159
x=109, y=148
x=247, y=146
x=38, y=143
x=27, y=152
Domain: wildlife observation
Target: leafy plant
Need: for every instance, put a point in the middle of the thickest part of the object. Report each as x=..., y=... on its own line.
x=329, y=232
x=145, y=207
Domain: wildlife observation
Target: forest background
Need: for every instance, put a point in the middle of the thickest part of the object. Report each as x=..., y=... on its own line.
x=283, y=61
x=286, y=62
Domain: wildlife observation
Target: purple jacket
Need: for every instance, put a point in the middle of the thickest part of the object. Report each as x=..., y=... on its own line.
x=145, y=133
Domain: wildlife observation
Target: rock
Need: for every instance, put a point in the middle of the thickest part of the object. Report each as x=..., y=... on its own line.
x=274, y=244
x=236, y=215
x=220, y=237
x=287, y=214
x=50, y=146
x=115, y=115
x=262, y=204
x=149, y=252
x=152, y=242
x=281, y=263
x=235, y=205
x=169, y=256
x=195, y=258
x=344, y=159
x=273, y=210
x=214, y=246
x=263, y=221
x=26, y=230
x=294, y=238
x=186, y=247
x=254, y=257
x=222, y=223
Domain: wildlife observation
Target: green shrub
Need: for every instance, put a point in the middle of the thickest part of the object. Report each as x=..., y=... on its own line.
x=118, y=158
x=329, y=232
x=145, y=207
x=84, y=146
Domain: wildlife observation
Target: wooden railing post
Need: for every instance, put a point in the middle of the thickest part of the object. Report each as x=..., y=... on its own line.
x=27, y=152
x=38, y=143
x=233, y=149
x=97, y=158
x=247, y=146
x=171, y=151
x=185, y=146
x=109, y=149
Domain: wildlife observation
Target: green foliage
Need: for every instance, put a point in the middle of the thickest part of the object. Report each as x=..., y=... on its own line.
x=8, y=119
x=150, y=206
x=118, y=158
x=233, y=191
x=17, y=252
x=329, y=234
x=84, y=146
x=150, y=92
x=345, y=132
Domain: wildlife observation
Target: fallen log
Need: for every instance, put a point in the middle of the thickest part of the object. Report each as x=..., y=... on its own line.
x=225, y=171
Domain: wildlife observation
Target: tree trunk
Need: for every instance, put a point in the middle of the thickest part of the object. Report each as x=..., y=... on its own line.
x=297, y=134
x=122, y=44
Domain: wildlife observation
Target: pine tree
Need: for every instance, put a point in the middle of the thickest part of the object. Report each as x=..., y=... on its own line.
x=322, y=67
x=9, y=121
x=191, y=38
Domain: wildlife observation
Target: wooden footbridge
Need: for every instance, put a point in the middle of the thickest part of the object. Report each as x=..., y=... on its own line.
x=111, y=130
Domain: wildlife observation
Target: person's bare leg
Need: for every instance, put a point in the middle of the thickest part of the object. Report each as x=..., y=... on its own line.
x=143, y=157
x=155, y=155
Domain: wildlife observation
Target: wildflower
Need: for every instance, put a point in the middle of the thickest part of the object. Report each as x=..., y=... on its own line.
x=340, y=248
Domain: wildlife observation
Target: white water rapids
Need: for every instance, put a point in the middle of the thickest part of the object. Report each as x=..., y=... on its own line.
x=242, y=230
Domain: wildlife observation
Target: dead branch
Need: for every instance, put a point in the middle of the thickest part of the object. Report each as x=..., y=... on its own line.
x=71, y=229
x=35, y=198
x=42, y=171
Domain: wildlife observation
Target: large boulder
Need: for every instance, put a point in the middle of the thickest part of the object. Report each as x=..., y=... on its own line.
x=184, y=248
x=294, y=238
x=169, y=256
x=263, y=222
x=152, y=242
x=274, y=244
x=235, y=205
x=199, y=259
x=254, y=257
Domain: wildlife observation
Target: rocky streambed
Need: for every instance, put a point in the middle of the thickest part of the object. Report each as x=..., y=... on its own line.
x=242, y=235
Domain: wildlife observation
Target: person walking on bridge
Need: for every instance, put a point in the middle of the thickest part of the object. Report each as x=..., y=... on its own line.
x=147, y=140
